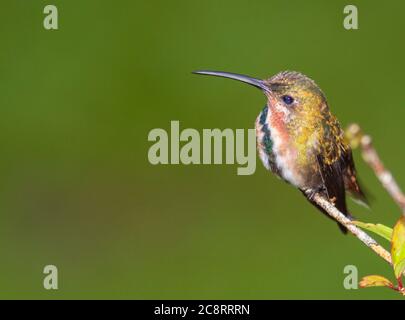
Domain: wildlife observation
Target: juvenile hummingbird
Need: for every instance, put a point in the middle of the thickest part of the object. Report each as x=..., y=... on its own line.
x=300, y=140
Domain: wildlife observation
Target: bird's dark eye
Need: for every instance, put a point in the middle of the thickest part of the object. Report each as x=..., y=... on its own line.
x=288, y=99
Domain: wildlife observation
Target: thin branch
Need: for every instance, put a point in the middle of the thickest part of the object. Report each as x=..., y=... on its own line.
x=360, y=234
x=370, y=156
x=357, y=138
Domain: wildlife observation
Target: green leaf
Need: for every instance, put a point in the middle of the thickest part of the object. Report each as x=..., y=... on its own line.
x=375, y=281
x=380, y=229
x=398, y=247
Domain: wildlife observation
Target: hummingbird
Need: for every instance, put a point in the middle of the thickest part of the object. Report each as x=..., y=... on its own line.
x=301, y=141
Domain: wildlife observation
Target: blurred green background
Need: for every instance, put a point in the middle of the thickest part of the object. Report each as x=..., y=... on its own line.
x=77, y=190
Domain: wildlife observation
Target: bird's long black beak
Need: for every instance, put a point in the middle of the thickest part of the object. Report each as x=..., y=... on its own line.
x=240, y=77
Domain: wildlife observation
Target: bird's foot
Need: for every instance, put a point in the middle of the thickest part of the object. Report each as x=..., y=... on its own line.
x=311, y=192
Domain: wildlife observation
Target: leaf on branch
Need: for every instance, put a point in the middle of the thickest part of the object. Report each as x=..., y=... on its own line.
x=375, y=281
x=398, y=247
x=380, y=229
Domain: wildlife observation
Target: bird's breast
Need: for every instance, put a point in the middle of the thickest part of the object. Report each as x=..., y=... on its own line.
x=278, y=150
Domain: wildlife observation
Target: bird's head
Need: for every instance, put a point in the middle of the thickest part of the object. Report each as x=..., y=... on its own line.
x=290, y=94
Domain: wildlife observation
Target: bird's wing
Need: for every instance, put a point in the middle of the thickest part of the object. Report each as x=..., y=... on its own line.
x=333, y=182
x=332, y=163
x=352, y=185
x=338, y=155
x=332, y=187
